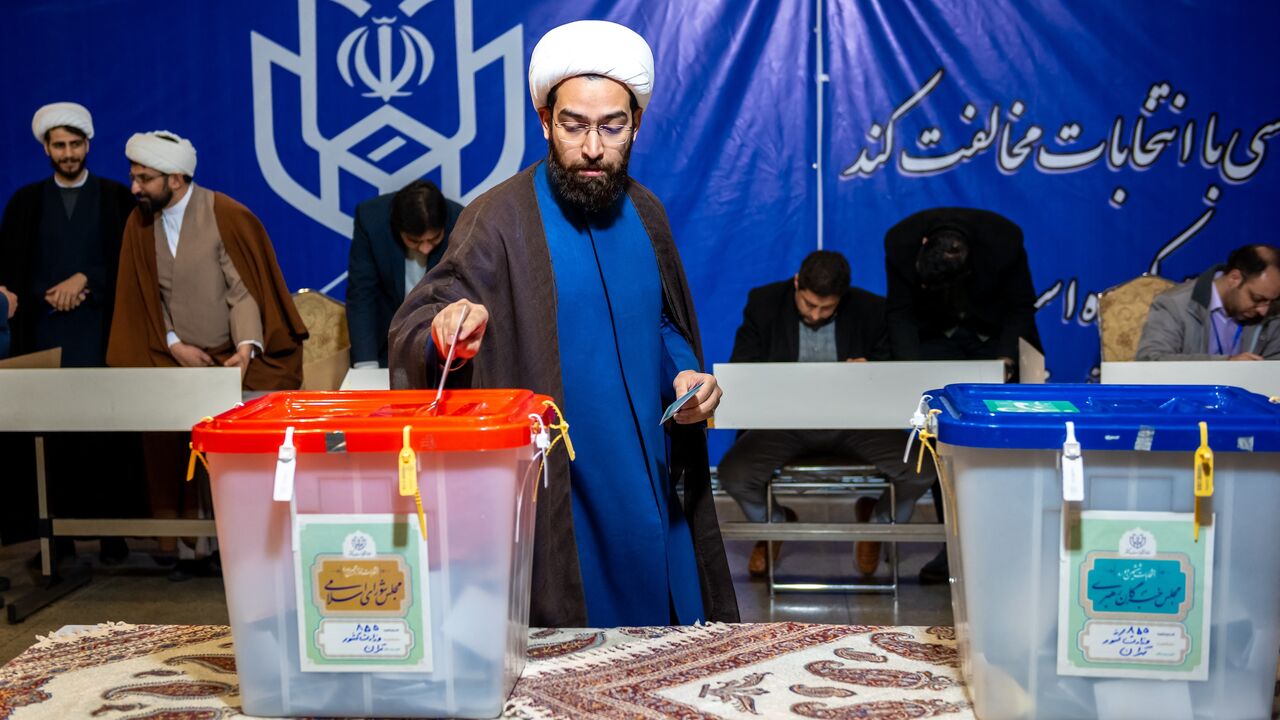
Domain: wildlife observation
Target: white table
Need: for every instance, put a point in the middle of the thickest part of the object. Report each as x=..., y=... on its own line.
x=1259, y=377
x=836, y=396
x=107, y=400
x=366, y=379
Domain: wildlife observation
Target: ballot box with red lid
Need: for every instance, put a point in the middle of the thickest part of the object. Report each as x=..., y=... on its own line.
x=376, y=547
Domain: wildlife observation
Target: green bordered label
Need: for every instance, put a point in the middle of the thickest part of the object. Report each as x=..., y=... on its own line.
x=1031, y=406
x=362, y=593
x=1134, y=598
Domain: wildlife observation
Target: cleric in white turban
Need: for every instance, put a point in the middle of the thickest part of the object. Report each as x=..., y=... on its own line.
x=591, y=47
x=567, y=281
x=64, y=296
x=61, y=114
x=162, y=150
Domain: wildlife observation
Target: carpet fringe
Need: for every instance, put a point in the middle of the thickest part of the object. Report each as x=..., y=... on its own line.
x=106, y=629
x=607, y=656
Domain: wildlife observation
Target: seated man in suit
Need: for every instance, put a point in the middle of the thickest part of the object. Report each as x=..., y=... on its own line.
x=815, y=316
x=398, y=237
x=1224, y=314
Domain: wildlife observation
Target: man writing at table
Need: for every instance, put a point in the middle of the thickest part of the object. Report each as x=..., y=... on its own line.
x=815, y=316
x=1224, y=314
x=573, y=287
x=396, y=239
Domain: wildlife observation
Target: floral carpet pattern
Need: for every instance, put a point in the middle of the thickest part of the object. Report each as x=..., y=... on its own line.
x=158, y=672
x=776, y=670
x=717, y=671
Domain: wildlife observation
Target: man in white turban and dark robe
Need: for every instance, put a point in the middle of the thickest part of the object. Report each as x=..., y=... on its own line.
x=60, y=243
x=198, y=286
x=572, y=286
x=59, y=247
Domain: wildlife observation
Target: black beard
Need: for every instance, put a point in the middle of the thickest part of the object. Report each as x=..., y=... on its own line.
x=150, y=208
x=591, y=196
x=58, y=170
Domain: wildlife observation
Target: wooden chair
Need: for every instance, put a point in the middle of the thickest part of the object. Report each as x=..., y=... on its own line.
x=326, y=354
x=1122, y=311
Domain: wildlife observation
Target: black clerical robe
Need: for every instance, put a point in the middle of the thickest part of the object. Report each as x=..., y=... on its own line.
x=40, y=246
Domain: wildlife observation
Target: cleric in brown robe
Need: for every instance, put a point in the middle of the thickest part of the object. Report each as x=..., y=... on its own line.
x=221, y=299
x=614, y=545
x=198, y=285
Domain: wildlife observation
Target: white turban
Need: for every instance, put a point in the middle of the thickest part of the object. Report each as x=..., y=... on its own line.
x=591, y=47
x=62, y=114
x=163, y=151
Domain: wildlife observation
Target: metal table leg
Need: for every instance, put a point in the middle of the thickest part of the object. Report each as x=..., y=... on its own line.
x=52, y=586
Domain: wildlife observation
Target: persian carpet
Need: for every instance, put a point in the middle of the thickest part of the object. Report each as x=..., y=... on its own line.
x=777, y=670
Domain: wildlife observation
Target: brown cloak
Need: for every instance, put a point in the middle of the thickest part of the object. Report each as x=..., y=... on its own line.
x=498, y=257
x=138, y=334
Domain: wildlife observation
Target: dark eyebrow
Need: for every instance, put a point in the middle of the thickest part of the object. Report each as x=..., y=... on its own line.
x=568, y=114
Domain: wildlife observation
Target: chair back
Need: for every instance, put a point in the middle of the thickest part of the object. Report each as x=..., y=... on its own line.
x=326, y=353
x=1122, y=311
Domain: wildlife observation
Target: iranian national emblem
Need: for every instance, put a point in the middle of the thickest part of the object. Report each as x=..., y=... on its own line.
x=380, y=93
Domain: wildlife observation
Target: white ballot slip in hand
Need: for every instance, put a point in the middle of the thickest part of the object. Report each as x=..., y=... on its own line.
x=679, y=403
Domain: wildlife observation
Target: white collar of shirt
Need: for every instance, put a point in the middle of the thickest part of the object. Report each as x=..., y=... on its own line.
x=415, y=267
x=84, y=178
x=1215, y=300
x=171, y=217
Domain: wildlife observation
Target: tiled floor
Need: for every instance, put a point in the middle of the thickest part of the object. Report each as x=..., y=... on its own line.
x=139, y=591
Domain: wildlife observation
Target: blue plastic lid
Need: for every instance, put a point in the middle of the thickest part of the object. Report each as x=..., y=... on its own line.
x=1106, y=417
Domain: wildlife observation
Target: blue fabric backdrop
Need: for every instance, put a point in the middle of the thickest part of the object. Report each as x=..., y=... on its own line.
x=1070, y=118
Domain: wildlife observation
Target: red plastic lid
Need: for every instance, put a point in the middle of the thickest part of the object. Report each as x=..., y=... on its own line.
x=374, y=421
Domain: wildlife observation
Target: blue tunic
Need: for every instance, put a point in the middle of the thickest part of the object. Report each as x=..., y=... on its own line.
x=618, y=355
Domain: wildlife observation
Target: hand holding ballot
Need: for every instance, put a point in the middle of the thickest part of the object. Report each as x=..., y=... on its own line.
x=469, y=333
x=703, y=403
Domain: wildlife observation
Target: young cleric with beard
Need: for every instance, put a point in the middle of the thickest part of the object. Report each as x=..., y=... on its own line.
x=60, y=242
x=574, y=288
x=59, y=246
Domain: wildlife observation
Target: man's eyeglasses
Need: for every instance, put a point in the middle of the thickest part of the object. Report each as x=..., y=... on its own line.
x=144, y=179
x=576, y=133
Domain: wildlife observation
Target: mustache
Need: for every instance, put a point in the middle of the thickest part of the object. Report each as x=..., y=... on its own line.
x=595, y=164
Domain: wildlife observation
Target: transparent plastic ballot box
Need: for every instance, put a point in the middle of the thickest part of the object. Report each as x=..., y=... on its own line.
x=376, y=547
x=1114, y=549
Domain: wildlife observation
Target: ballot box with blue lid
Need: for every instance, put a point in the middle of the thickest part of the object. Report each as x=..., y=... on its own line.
x=1114, y=549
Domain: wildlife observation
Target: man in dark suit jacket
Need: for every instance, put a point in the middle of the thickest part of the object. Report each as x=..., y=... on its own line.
x=959, y=287
x=398, y=237
x=815, y=316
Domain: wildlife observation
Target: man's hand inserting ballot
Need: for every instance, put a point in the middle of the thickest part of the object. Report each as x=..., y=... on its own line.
x=469, y=335
x=703, y=404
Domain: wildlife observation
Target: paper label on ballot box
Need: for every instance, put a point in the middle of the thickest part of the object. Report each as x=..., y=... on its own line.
x=1134, y=597
x=362, y=593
